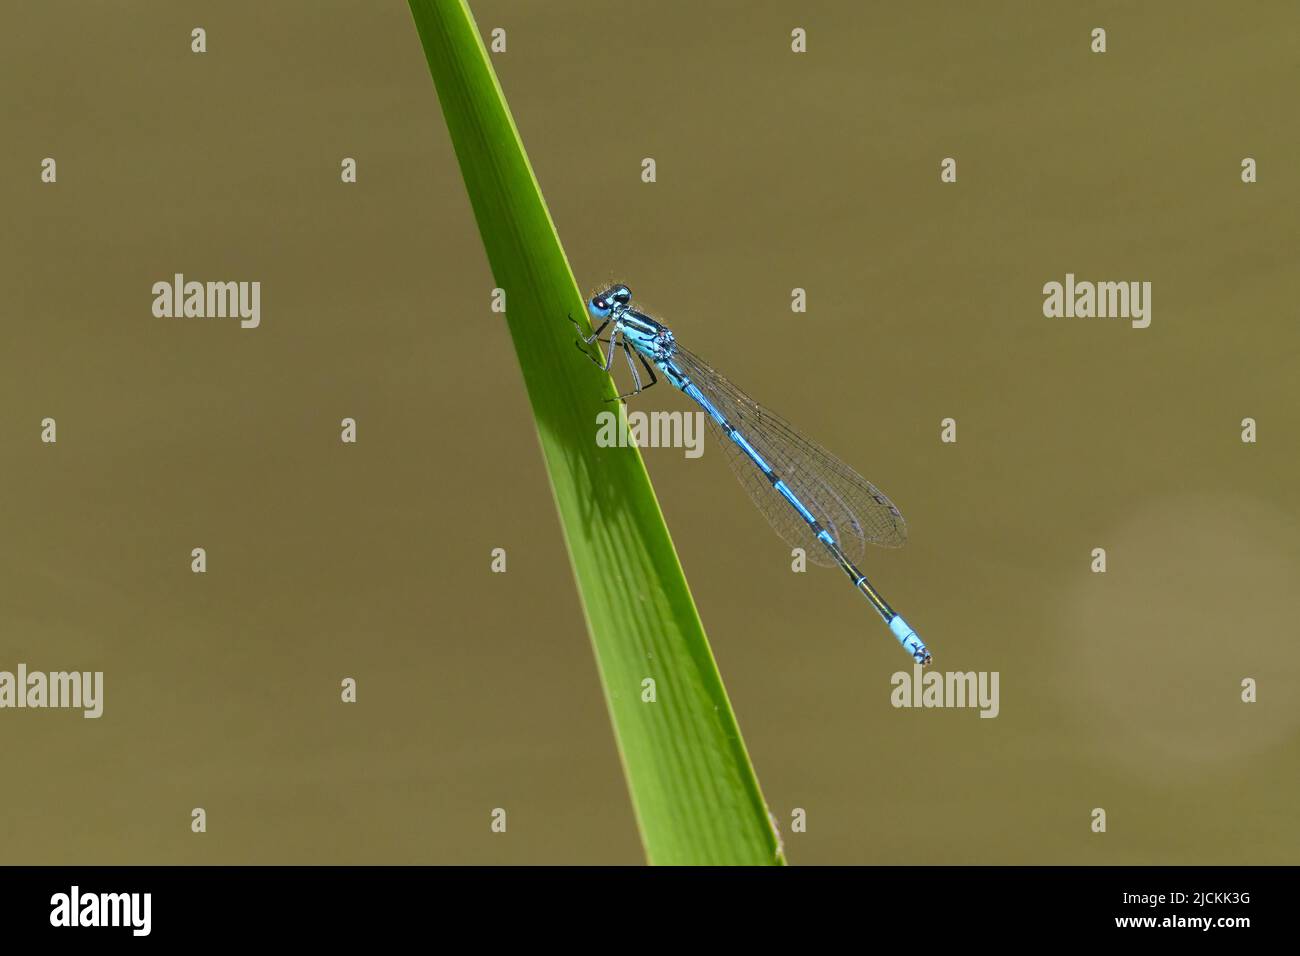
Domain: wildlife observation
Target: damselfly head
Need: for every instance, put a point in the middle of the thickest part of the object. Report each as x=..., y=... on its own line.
x=602, y=306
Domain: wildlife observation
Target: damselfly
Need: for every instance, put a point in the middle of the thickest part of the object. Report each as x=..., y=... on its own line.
x=814, y=501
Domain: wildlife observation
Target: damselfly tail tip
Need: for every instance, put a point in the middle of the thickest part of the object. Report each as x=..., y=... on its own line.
x=907, y=637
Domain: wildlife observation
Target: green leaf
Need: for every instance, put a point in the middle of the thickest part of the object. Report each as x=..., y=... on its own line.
x=693, y=788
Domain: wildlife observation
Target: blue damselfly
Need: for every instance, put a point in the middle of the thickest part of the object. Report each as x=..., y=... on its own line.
x=814, y=500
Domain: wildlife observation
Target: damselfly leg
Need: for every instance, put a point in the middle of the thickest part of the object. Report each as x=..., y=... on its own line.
x=608, y=360
x=584, y=341
x=638, y=388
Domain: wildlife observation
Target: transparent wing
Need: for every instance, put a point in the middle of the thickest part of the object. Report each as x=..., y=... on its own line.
x=851, y=508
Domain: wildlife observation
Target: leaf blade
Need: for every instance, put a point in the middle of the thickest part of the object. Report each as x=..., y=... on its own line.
x=692, y=784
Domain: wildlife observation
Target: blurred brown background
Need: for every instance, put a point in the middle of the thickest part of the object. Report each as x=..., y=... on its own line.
x=775, y=170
